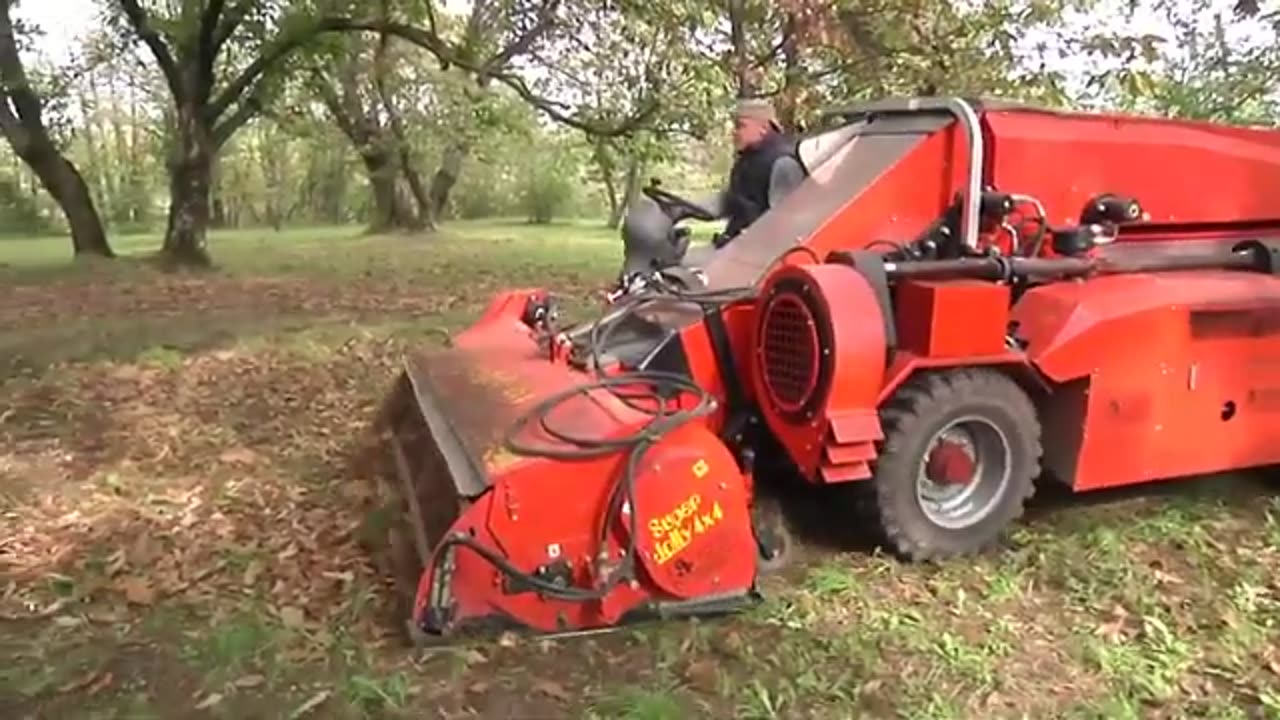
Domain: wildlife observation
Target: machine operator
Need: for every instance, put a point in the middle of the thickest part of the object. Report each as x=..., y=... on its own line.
x=766, y=167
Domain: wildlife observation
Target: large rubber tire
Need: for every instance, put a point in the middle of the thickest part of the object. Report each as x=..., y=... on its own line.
x=921, y=409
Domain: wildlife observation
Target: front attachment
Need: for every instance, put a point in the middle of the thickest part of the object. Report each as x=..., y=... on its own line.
x=429, y=477
x=531, y=495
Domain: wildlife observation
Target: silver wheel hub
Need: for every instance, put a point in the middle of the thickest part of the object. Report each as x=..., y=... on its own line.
x=964, y=473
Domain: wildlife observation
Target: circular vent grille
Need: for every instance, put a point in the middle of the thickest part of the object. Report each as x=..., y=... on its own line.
x=790, y=353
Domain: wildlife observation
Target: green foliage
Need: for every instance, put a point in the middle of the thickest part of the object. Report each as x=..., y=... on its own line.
x=20, y=213
x=1214, y=66
x=294, y=166
x=550, y=174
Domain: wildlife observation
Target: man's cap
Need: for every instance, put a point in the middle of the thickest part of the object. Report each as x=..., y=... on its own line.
x=755, y=108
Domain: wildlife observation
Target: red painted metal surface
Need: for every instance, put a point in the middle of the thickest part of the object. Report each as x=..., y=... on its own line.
x=1164, y=375
x=1184, y=173
x=902, y=202
x=951, y=318
x=691, y=499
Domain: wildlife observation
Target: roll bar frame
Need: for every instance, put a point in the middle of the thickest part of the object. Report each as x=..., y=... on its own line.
x=964, y=113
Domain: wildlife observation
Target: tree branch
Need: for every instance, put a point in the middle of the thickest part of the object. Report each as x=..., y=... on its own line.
x=250, y=106
x=286, y=44
x=206, y=54
x=278, y=49
x=164, y=58
x=522, y=43
x=15, y=87
x=438, y=47
x=208, y=29
x=230, y=21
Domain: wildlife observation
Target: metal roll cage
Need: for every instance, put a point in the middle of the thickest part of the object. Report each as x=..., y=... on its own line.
x=964, y=113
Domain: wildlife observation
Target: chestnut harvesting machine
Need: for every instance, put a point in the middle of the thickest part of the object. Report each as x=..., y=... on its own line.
x=964, y=297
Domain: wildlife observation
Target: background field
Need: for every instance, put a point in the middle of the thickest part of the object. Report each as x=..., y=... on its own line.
x=180, y=536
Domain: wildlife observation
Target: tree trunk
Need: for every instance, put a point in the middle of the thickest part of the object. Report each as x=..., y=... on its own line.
x=604, y=159
x=446, y=177
x=22, y=124
x=67, y=187
x=190, y=184
x=390, y=212
x=793, y=77
x=629, y=191
x=61, y=179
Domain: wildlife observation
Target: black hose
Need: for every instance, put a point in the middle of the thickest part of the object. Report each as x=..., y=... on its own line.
x=636, y=445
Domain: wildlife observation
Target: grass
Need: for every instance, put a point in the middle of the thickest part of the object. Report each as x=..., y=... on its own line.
x=178, y=537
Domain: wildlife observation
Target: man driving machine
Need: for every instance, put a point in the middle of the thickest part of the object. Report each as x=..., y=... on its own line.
x=766, y=167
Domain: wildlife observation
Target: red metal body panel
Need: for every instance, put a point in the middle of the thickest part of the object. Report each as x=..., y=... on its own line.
x=903, y=201
x=951, y=318
x=1185, y=173
x=906, y=364
x=1163, y=375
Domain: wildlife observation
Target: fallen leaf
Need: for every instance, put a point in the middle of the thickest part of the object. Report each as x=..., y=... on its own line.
x=552, y=689
x=507, y=640
x=871, y=687
x=116, y=563
x=239, y=456
x=479, y=688
x=137, y=590
x=250, y=681
x=108, y=615
x=311, y=704
x=474, y=657
x=730, y=644
x=81, y=682
x=143, y=551
x=213, y=699
x=1274, y=666
x=293, y=617
x=101, y=683
x=252, y=572
x=702, y=675
x=1112, y=631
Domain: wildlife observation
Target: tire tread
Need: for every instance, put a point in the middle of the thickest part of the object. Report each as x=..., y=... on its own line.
x=909, y=413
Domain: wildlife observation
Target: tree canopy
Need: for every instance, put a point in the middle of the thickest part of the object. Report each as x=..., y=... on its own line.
x=404, y=114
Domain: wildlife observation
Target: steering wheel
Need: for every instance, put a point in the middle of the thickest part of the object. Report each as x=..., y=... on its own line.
x=664, y=198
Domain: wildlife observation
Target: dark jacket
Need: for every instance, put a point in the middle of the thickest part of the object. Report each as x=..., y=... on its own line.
x=747, y=197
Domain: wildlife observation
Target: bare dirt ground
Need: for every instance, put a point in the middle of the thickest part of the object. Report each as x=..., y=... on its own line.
x=180, y=534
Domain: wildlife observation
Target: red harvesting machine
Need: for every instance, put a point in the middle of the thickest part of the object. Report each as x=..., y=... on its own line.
x=962, y=297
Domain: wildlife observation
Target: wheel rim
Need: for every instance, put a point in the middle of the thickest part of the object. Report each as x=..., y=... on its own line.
x=963, y=473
